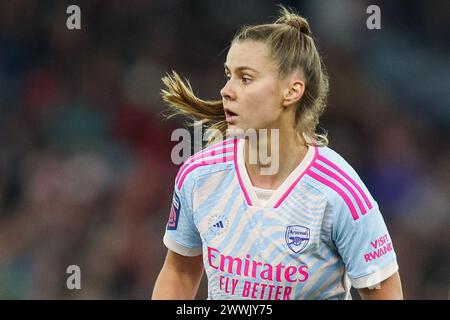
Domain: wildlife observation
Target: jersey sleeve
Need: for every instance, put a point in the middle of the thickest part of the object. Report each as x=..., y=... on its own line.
x=365, y=246
x=181, y=235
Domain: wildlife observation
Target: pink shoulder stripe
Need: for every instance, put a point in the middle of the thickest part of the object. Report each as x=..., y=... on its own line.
x=360, y=190
x=236, y=167
x=316, y=153
x=201, y=164
x=338, y=190
x=341, y=181
x=211, y=150
x=202, y=155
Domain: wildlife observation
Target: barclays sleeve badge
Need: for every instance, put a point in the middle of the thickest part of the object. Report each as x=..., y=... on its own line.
x=172, y=224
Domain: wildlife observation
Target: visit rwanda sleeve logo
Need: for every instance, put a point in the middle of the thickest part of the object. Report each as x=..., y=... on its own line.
x=174, y=213
x=297, y=237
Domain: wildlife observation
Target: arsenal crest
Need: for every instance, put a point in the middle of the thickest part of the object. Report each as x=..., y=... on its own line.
x=297, y=237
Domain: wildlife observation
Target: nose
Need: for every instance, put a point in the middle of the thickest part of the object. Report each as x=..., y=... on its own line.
x=227, y=91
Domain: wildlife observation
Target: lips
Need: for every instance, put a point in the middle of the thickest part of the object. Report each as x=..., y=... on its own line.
x=230, y=116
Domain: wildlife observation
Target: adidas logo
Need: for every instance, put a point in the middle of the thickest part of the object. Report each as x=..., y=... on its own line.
x=218, y=225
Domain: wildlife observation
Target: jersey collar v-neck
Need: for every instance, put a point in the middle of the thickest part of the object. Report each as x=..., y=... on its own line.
x=281, y=193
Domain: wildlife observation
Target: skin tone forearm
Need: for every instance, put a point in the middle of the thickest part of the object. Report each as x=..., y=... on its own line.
x=179, y=278
x=389, y=289
x=173, y=286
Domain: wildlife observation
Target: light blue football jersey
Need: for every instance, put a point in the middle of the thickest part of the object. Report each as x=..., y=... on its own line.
x=320, y=232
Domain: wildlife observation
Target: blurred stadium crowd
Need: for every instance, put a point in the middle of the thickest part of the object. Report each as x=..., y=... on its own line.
x=85, y=172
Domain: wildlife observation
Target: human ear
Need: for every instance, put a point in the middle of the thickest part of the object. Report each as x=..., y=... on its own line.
x=293, y=93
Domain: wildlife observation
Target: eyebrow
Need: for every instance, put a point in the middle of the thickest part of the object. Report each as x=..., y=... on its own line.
x=241, y=68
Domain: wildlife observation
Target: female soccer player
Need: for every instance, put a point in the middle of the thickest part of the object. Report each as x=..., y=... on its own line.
x=311, y=230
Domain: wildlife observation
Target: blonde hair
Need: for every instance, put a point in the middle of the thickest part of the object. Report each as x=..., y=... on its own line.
x=290, y=40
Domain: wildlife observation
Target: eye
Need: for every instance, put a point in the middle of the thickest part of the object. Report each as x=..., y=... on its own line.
x=246, y=80
x=227, y=76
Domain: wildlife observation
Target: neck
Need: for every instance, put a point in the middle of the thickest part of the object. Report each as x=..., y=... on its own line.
x=283, y=156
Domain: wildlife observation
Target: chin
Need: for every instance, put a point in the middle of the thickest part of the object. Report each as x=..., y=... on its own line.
x=234, y=130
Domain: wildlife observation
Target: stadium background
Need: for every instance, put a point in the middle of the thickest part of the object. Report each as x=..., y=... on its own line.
x=85, y=170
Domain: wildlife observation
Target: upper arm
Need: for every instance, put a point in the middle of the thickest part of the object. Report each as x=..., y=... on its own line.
x=184, y=264
x=365, y=247
x=389, y=289
x=179, y=278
